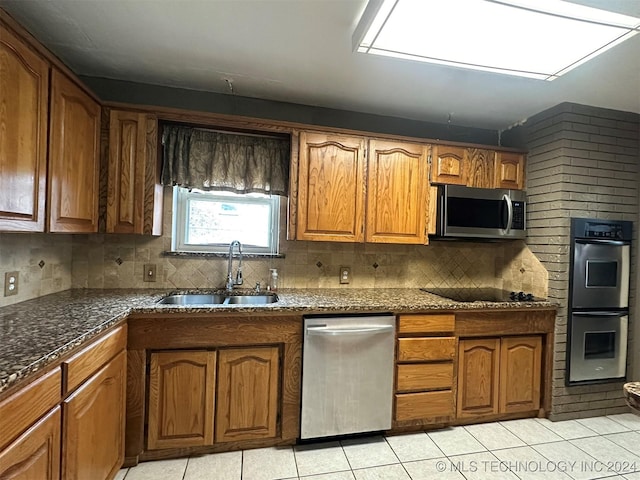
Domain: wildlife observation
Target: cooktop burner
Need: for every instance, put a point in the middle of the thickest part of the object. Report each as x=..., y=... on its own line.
x=482, y=295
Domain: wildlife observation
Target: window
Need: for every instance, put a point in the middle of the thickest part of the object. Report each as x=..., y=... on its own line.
x=210, y=221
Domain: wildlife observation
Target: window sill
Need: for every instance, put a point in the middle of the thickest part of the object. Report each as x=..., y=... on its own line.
x=220, y=255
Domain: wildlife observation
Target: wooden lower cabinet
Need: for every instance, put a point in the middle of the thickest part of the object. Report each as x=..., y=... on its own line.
x=35, y=455
x=520, y=374
x=478, y=377
x=181, y=398
x=499, y=375
x=93, y=424
x=248, y=384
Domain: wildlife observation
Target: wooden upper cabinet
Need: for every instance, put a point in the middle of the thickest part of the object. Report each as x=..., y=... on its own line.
x=24, y=95
x=94, y=422
x=397, y=192
x=331, y=174
x=134, y=202
x=447, y=165
x=248, y=385
x=478, y=377
x=36, y=453
x=74, y=137
x=520, y=374
x=181, y=398
x=480, y=165
x=509, y=170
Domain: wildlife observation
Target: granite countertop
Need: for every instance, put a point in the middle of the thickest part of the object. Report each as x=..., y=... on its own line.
x=36, y=332
x=632, y=395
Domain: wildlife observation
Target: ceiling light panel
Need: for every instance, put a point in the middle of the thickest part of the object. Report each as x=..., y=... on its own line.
x=534, y=38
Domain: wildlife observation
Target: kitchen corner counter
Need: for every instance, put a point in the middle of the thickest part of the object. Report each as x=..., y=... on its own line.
x=35, y=333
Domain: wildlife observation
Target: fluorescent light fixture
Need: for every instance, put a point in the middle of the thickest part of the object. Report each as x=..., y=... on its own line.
x=540, y=39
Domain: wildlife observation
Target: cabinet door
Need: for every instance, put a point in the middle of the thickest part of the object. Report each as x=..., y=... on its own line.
x=520, y=367
x=35, y=455
x=481, y=167
x=24, y=93
x=248, y=385
x=331, y=188
x=447, y=165
x=93, y=424
x=397, y=190
x=478, y=377
x=132, y=206
x=181, y=399
x=73, y=158
x=510, y=170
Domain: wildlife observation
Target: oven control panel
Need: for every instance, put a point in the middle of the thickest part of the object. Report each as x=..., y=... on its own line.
x=602, y=229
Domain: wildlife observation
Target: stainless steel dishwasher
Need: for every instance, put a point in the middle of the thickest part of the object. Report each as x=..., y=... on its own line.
x=347, y=374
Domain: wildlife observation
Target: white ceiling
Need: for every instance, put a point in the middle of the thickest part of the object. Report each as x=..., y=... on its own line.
x=300, y=51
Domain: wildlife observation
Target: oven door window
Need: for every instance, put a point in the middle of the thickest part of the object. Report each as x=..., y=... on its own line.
x=599, y=345
x=602, y=273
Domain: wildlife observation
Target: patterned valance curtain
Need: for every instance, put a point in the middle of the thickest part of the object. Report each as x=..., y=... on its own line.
x=209, y=160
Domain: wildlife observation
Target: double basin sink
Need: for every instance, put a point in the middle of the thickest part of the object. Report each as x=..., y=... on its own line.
x=218, y=299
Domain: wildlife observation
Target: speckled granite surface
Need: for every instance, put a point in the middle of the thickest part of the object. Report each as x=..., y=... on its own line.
x=632, y=395
x=37, y=332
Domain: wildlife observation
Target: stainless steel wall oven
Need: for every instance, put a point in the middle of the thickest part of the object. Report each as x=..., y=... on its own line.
x=599, y=301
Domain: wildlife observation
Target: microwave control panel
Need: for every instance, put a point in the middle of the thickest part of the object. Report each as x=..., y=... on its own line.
x=518, y=215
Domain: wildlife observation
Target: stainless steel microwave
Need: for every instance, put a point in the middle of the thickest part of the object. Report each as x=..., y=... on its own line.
x=468, y=212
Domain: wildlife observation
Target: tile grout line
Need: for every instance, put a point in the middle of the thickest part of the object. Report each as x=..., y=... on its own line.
x=396, y=455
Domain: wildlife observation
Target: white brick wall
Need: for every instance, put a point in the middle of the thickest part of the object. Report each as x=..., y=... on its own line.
x=583, y=162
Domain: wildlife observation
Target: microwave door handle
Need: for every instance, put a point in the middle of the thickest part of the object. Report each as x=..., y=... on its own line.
x=506, y=198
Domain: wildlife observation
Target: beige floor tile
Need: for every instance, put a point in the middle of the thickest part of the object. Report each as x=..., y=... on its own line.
x=437, y=468
x=528, y=464
x=615, y=459
x=456, y=441
x=414, y=446
x=332, y=476
x=481, y=466
x=121, y=474
x=629, y=420
x=386, y=472
x=567, y=429
x=628, y=440
x=268, y=464
x=602, y=425
x=160, y=469
x=575, y=462
x=494, y=436
x=222, y=466
x=368, y=452
x=530, y=431
x=327, y=457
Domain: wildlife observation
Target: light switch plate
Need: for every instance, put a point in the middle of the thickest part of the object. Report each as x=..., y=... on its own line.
x=149, y=272
x=11, y=283
x=345, y=275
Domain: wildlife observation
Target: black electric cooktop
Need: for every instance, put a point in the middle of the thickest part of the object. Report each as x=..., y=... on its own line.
x=483, y=295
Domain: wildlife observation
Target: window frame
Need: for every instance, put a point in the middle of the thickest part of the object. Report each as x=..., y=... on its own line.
x=181, y=198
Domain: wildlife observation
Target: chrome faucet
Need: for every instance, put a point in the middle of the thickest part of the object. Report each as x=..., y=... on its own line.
x=238, y=280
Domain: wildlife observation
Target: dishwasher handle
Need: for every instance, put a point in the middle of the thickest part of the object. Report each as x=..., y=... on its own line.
x=324, y=330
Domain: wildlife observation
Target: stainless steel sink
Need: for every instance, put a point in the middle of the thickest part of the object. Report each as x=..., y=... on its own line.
x=251, y=299
x=211, y=299
x=193, y=299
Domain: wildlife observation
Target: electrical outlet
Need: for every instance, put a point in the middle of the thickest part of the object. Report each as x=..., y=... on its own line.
x=149, y=272
x=11, y=283
x=345, y=274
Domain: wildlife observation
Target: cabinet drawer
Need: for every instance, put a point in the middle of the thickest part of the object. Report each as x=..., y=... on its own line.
x=89, y=360
x=424, y=376
x=426, y=323
x=416, y=406
x=22, y=409
x=426, y=349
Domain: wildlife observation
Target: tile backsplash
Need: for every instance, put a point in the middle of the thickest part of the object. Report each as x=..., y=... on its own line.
x=117, y=261
x=108, y=261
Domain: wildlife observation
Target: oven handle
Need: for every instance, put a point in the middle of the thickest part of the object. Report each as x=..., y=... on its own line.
x=587, y=241
x=507, y=198
x=601, y=314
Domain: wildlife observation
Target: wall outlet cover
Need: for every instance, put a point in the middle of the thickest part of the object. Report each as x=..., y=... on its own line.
x=149, y=272
x=345, y=275
x=11, y=283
